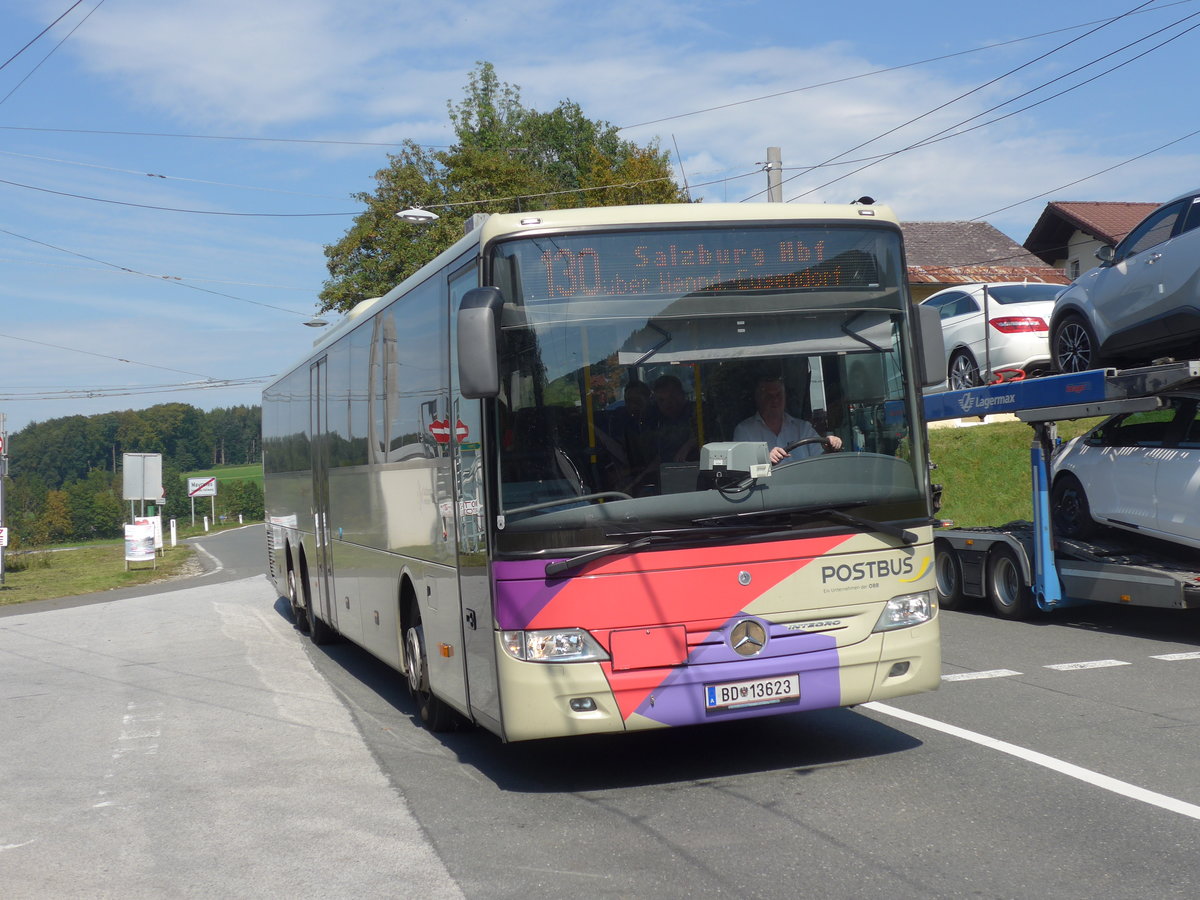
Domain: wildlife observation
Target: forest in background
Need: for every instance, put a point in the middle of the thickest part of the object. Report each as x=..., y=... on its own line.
x=65, y=480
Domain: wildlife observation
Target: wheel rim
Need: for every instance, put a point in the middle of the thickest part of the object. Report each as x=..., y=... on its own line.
x=1068, y=512
x=947, y=575
x=416, y=662
x=292, y=598
x=1006, y=584
x=1074, y=348
x=963, y=373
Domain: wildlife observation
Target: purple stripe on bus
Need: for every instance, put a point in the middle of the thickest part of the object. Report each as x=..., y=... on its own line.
x=523, y=591
x=679, y=700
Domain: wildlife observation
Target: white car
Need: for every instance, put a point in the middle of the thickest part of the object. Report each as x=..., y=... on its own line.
x=1017, y=338
x=1137, y=471
x=1142, y=302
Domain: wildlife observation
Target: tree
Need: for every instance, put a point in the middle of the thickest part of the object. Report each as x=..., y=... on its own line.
x=507, y=158
x=54, y=524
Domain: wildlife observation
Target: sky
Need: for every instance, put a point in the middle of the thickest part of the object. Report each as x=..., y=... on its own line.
x=170, y=173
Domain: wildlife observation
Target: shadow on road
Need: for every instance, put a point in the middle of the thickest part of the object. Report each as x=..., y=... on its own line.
x=797, y=743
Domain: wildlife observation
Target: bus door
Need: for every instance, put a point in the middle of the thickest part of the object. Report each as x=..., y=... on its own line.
x=322, y=571
x=474, y=585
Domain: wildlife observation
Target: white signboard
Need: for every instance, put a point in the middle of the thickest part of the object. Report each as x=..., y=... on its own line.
x=3, y=537
x=154, y=522
x=142, y=473
x=139, y=543
x=202, y=487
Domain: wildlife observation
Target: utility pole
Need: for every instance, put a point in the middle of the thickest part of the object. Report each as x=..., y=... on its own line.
x=774, y=170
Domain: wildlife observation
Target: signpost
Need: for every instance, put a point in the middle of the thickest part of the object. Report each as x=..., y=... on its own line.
x=203, y=487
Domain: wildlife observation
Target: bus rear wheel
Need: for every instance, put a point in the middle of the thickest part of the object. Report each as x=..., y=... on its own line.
x=435, y=714
x=1011, y=597
x=299, y=613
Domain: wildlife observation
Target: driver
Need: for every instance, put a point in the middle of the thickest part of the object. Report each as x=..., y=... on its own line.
x=773, y=425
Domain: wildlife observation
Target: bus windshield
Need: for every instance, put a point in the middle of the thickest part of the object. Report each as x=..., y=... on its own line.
x=639, y=368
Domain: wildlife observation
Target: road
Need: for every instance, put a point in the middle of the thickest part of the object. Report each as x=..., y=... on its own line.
x=189, y=742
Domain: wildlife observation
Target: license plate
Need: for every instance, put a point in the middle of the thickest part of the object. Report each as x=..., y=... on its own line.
x=753, y=692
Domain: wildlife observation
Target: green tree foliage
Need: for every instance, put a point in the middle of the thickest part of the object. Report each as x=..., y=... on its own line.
x=66, y=481
x=54, y=524
x=507, y=158
x=241, y=497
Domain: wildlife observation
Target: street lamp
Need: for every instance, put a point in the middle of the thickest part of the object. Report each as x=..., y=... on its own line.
x=417, y=216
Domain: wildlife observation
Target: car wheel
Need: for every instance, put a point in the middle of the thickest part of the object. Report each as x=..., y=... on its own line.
x=1073, y=345
x=948, y=571
x=1070, y=510
x=1011, y=597
x=963, y=372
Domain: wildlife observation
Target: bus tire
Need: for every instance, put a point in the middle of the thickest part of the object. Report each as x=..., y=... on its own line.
x=299, y=613
x=948, y=571
x=435, y=715
x=318, y=632
x=1011, y=597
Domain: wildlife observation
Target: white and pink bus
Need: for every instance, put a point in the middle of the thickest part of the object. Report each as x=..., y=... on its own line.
x=529, y=477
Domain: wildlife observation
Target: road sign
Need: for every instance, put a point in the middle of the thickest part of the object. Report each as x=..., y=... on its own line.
x=3, y=537
x=202, y=487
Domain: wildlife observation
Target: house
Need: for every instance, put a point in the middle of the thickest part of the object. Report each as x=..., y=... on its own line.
x=941, y=254
x=1067, y=235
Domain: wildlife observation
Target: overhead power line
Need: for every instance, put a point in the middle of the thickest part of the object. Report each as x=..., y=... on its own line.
x=169, y=279
x=1104, y=171
x=4, y=65
x=16, y=87
x=950, y=102
x=195, y=212
x=897, y=68
x=132, y=362
x=221, y=137
x=91, y=393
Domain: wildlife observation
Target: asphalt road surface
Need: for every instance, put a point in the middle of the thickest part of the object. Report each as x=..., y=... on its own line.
x=188, y=741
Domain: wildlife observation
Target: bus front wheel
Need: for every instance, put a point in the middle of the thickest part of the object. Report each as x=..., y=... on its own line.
x=436, y=715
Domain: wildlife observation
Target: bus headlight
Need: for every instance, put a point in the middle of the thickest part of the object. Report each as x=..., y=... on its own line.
x=905, y=611
x=554, y=645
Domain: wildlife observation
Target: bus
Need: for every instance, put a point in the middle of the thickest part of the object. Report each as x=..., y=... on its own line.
x=516, y=479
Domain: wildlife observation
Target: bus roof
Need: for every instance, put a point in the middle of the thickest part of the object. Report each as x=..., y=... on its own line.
x=503, y=224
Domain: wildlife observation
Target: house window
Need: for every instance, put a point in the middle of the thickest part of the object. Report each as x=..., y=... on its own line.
x=1073, y=269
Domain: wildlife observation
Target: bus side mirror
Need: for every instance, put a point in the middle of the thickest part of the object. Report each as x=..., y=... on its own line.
x=479, y=343
x=932, y=349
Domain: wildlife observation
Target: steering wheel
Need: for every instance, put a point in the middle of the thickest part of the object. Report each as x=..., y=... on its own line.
x=803, y=441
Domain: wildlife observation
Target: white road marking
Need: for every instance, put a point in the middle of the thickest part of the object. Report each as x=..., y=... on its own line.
x=973, y=676
x=1173, y=657
x=1124, y=788
x=1093, y=664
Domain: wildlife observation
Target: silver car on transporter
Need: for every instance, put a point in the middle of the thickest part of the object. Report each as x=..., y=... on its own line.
x=993, y=330
x=1142, y=302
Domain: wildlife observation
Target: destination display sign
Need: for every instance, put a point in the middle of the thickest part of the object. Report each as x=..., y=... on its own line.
x=698, y=261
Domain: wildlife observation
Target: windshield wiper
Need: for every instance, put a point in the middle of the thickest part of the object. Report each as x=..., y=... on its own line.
x=643, y=539
x=817, y=512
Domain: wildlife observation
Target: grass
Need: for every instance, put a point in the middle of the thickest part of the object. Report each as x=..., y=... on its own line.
x=984, y=470
x=231, y=473
x=86, y=569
